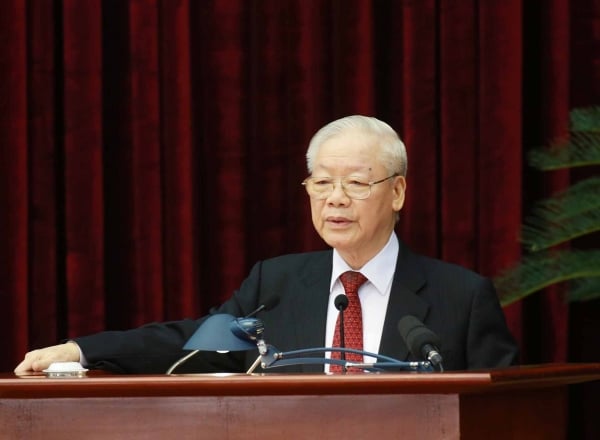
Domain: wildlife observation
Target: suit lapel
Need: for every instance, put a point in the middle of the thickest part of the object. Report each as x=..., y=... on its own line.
x=310, y=304
x=408, y=280
x=312, y=294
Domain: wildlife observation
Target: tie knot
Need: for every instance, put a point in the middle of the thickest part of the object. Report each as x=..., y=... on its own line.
x=352, y=281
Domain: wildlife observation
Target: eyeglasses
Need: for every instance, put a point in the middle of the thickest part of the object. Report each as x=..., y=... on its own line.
x=320, y=188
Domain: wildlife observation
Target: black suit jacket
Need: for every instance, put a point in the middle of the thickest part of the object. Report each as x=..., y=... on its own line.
x=460, y=306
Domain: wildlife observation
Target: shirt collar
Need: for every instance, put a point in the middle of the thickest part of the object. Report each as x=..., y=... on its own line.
x=379, y=270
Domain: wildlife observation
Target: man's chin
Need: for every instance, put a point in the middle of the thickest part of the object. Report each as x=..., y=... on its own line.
x=338, y=241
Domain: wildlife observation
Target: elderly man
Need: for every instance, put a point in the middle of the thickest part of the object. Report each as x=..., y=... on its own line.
x=357, y=183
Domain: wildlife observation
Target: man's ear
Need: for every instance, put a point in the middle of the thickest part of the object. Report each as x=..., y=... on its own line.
x=399, y=189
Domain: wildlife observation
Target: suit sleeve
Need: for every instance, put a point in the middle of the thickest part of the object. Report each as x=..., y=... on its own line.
x=489, y=341
x=153, y=348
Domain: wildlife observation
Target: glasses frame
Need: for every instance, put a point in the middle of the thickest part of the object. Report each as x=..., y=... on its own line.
x=340, y=179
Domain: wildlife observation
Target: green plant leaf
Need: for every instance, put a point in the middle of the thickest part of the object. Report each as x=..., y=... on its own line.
x=580, y=197
x=573, y=213
x=570, y=214
x=542, y=269
x=581, y=149
x=585, y=119
x=584, y=289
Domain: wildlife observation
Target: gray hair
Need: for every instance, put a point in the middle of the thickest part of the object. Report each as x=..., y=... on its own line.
x=392, y=153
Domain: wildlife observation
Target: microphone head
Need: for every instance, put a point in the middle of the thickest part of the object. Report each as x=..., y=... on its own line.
x=416, y=335
x=341, y=302
x=248, y=329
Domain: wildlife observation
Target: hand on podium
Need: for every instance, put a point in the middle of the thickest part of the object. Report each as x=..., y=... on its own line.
x=38, y=360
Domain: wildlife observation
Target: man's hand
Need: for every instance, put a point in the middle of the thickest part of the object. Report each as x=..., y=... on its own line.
x=38, y=360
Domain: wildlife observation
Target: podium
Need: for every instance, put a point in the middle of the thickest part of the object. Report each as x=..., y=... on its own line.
x=528, y=402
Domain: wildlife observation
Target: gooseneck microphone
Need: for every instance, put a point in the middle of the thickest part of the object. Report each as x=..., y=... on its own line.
x=250, y=328
x=270, y=357
x=421, y=341
x=245, y=328
x=341, y=303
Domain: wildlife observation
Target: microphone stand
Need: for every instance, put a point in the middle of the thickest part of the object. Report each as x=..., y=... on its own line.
x=224, y=332
x=342, y=341
x=180, y=361
x=340, y=303
x=270, y=357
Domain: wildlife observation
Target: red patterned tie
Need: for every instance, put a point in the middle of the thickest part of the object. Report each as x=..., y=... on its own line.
x=353, y=330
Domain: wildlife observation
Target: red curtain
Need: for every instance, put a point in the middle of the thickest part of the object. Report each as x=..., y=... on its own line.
x=151, y=151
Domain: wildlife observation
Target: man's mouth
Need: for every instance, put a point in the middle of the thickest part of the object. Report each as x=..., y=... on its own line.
x=338, y=220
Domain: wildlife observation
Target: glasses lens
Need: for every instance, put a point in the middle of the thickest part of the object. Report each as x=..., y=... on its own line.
x=319, y=187
x=356, y=189
x=322, y=187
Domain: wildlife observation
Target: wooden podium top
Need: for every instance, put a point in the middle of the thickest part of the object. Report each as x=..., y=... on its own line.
x=98, y=384
x=520, y=402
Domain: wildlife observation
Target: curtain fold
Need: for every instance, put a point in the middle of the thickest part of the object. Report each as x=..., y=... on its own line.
x=418, y=127
x=151, y=151
x=458, y=131
x=499, y=156
x=144, y=129
x=14, y=184
x=178, y=189
x=43, y=193
x=82, y=181
x=554, y=124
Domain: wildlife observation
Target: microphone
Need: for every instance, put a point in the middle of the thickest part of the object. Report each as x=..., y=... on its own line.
x=247, y=328
x=421, y=341
x=341, y=303
x=250, y=328
x=270, y=357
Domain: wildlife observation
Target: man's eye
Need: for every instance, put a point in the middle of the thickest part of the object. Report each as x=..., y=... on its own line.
x=321, y=182
x=356, y=183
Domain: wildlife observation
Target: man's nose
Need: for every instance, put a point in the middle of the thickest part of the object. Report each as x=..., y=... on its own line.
x=338, y=196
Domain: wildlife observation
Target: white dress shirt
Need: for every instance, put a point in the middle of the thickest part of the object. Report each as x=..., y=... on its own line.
x=374, y=295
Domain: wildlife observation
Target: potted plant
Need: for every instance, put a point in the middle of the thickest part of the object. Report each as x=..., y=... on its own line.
x=550, y=254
